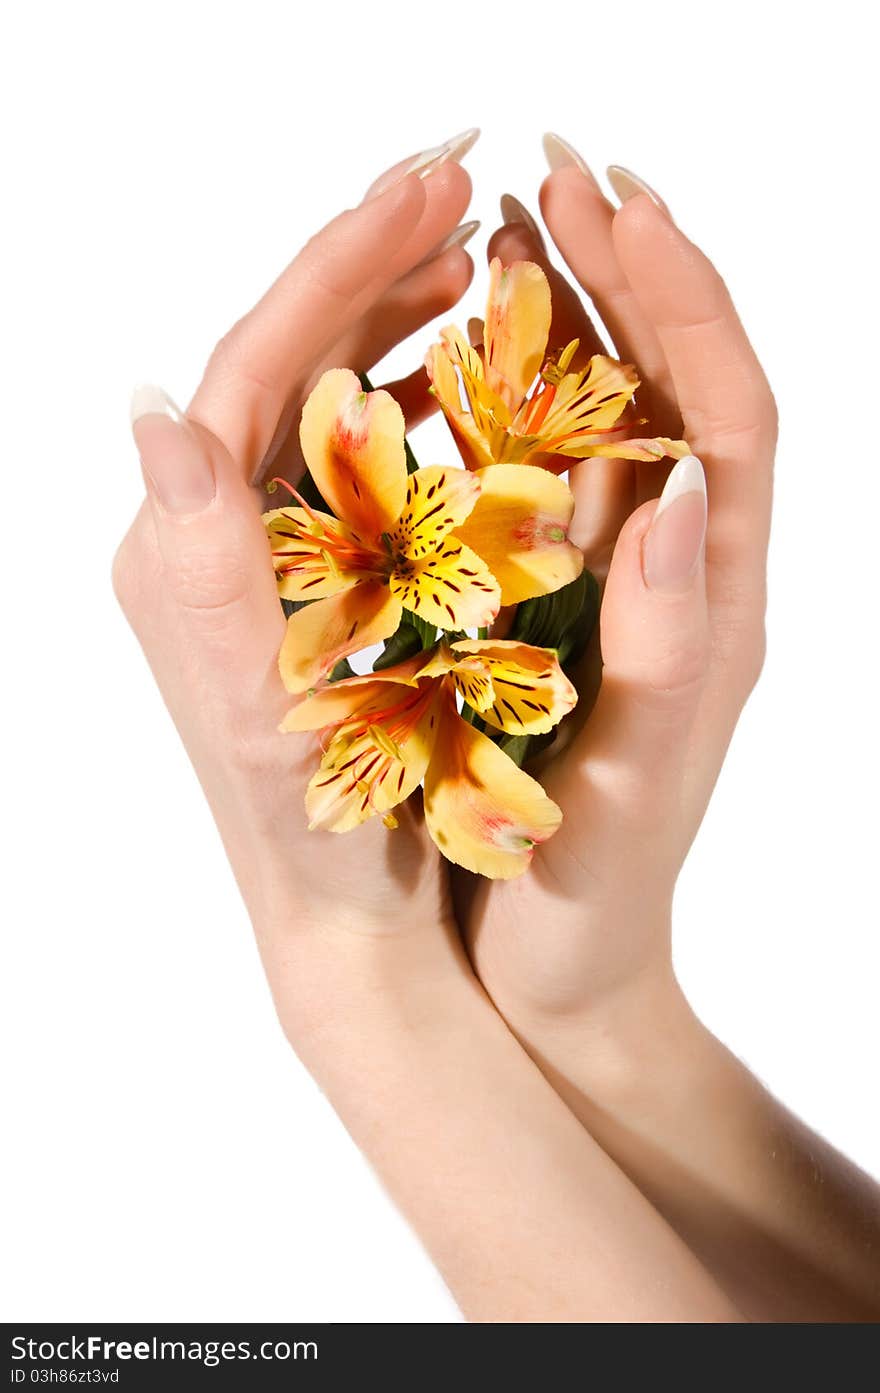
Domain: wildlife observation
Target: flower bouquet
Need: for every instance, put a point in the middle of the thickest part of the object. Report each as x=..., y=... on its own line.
x=375, y=550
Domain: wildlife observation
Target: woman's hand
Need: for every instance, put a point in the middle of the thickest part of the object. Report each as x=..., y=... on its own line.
x=681, y=623
x=194, y=574
x=577, y=953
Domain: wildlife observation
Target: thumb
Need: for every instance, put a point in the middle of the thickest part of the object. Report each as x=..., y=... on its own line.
x=655, y=638
x=216, y=569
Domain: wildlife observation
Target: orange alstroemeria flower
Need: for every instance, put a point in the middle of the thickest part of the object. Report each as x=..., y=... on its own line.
x=514, y=404
x=390, y=546
x=389, y=731
x=401, y=541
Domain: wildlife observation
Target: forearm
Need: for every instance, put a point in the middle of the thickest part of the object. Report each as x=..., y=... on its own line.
x=789, y=1228
x=524, y=1214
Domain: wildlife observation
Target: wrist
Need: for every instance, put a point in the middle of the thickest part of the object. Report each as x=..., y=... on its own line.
x=624, y=1044
x=349, y=975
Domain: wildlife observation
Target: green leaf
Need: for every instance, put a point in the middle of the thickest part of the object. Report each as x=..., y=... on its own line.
x=563, y=620
x=516, y=747
x=342, y=669
x=575, y=640
x=519, y=748
x=403, y=643
x=427, y=632
x=412, y=463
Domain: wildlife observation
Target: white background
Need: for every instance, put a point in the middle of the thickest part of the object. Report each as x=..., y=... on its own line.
x=165, y=1155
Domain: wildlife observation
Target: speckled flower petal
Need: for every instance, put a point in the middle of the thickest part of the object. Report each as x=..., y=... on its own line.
x=522, y=690
x=437, y=498
x=314, y=554
x=483, y=812
x=319, y=635
x=452, y=588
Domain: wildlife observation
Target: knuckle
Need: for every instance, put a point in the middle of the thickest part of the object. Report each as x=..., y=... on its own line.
x=232, y=359
x=121, y=577
x=740, y=425
x=205, y=582
x=674, y=680
x=126, y=576
x=753, y=657
x=741, y=647
x=672, y=675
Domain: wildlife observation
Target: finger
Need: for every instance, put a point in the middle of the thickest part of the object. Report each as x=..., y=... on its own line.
x=580, y=220
x=727, y=407
x=256, y=369
x=605, y=495
x=406, y=307
x=426, y=161
x=216, y=571
x=412, y=302
x=655, y=644
x=604, y=489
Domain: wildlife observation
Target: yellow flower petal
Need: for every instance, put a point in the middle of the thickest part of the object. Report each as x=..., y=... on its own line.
x=352, y=442
x=320, y=634
x=530, y=693
x=452, y=588
x=482, y=811
x=314, y=555
x=588, y=401
x=370, y=768
x=472, y=678
x=519, y=526
x=353, y=697
x=436, y=499
x=480, y=427
x=472, y=444
x=654, y=449
x=517, y=325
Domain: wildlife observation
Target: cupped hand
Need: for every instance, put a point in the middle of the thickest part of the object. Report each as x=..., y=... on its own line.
x=194, y=574
x=681, y=618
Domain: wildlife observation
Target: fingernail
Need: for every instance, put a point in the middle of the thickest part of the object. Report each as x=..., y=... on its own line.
x=627, y=185
x=672, y=551
x=513, y=212
x=426, y=163
x=560, y=154
x=458, y=238
x=175, y=464
x=453, y=150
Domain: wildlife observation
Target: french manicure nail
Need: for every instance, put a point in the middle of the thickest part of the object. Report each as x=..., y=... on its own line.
x=672, y=550
x=453, y=150
x=175, y=463
x=627, y=185
x=459, y=237
x=560, y=155
x=426, y=162
x=514, y=212
x=149, y=400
